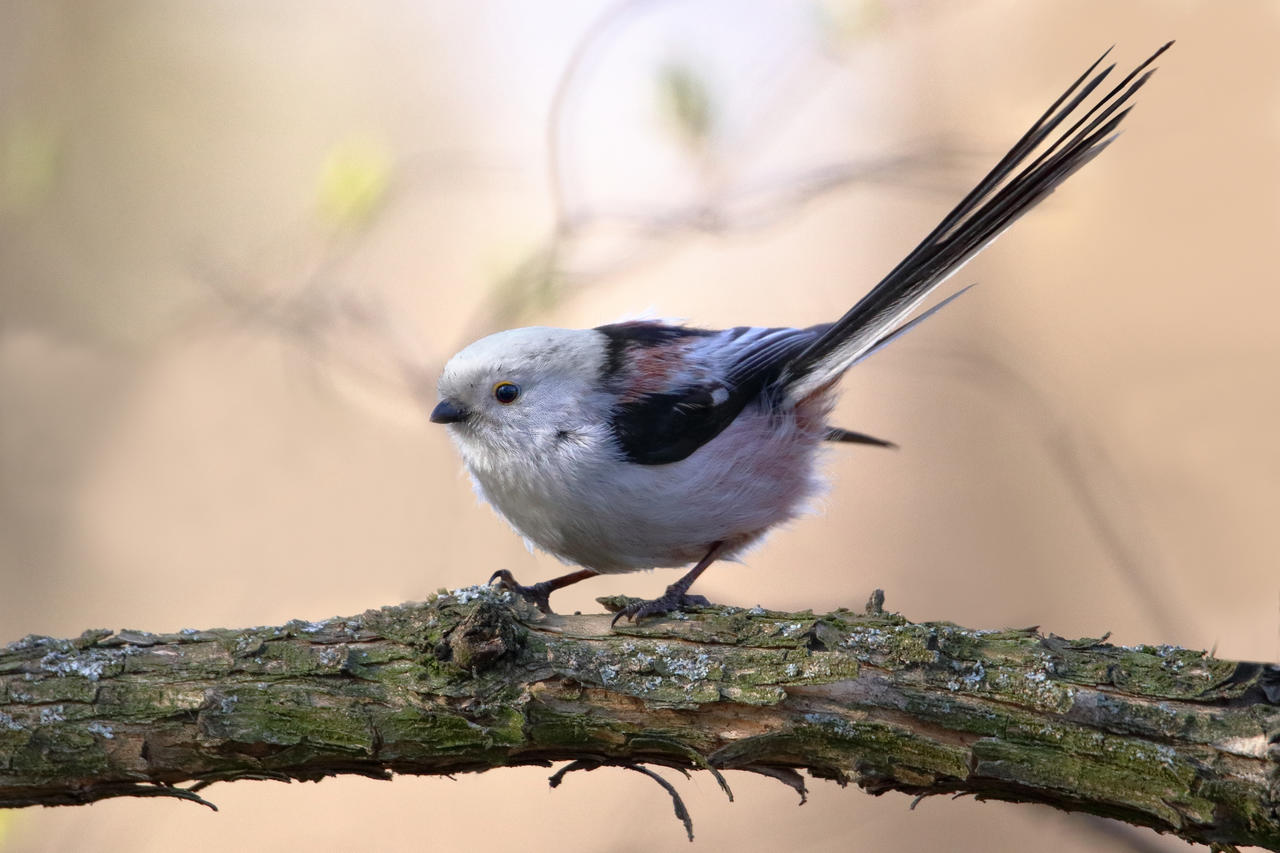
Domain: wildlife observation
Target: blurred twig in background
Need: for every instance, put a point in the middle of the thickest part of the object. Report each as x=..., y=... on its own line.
x=586, y=244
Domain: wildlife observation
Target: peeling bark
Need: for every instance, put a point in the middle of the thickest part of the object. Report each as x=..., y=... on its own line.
x=1156, y=736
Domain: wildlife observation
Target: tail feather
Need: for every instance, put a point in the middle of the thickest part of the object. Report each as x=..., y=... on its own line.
x=991, y=207
x=848, y=436
x=897, y=332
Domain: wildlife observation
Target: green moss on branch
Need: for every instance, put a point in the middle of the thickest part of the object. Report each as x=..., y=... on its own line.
x=1162, y=737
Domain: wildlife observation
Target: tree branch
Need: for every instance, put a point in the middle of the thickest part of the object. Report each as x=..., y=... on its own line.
x=1156, y=736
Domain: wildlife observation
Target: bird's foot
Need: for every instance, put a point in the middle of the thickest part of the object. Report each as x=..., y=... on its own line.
x=674, y=600
x=539, y=595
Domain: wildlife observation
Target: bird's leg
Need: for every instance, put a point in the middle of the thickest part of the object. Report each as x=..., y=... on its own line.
x=676, y=597
x=539, y=594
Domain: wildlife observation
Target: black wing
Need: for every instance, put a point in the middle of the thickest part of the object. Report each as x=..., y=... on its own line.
x=680, y=387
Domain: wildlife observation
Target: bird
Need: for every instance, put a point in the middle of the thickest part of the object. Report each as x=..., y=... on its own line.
x=645, y=444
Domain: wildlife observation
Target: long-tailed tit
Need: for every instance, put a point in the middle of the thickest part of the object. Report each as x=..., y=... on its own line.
x=641, y=445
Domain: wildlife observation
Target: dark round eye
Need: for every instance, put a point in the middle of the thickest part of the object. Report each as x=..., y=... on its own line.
x=506, y=392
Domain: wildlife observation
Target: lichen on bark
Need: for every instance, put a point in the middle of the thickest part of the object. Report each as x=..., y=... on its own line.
x=1157, y=736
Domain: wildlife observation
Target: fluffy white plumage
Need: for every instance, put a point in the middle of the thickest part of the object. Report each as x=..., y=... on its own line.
x=551, y=465
x=643, y=445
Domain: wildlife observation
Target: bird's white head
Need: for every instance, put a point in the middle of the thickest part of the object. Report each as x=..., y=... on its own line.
x=522, y=389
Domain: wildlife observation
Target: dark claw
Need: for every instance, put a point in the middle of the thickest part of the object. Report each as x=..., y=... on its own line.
x=672, y=601
x=539, y=595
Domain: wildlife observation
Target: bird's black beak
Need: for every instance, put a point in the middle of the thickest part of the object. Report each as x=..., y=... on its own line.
x=448, y=412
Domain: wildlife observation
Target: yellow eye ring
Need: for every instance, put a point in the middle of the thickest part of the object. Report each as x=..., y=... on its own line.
x=506, y=392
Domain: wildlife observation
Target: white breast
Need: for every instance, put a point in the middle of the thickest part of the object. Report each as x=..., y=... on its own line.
x=577, y=499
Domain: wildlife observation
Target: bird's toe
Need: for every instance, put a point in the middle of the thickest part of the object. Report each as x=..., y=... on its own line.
x=673, y=601
x=539, y=594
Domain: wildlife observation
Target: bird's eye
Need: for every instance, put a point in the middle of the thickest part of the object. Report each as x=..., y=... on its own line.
x=506, y=392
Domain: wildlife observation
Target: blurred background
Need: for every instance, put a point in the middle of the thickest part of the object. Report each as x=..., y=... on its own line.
x=237, y=241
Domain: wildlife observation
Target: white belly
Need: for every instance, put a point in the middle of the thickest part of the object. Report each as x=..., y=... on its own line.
x=578, y=501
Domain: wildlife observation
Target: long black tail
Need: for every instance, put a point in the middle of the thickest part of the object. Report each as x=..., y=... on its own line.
x=977, y=220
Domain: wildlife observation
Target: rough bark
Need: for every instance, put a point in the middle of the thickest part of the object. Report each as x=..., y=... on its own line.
x=1156, y=736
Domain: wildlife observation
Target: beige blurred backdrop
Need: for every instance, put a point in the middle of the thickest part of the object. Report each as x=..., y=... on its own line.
x=226, y=228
